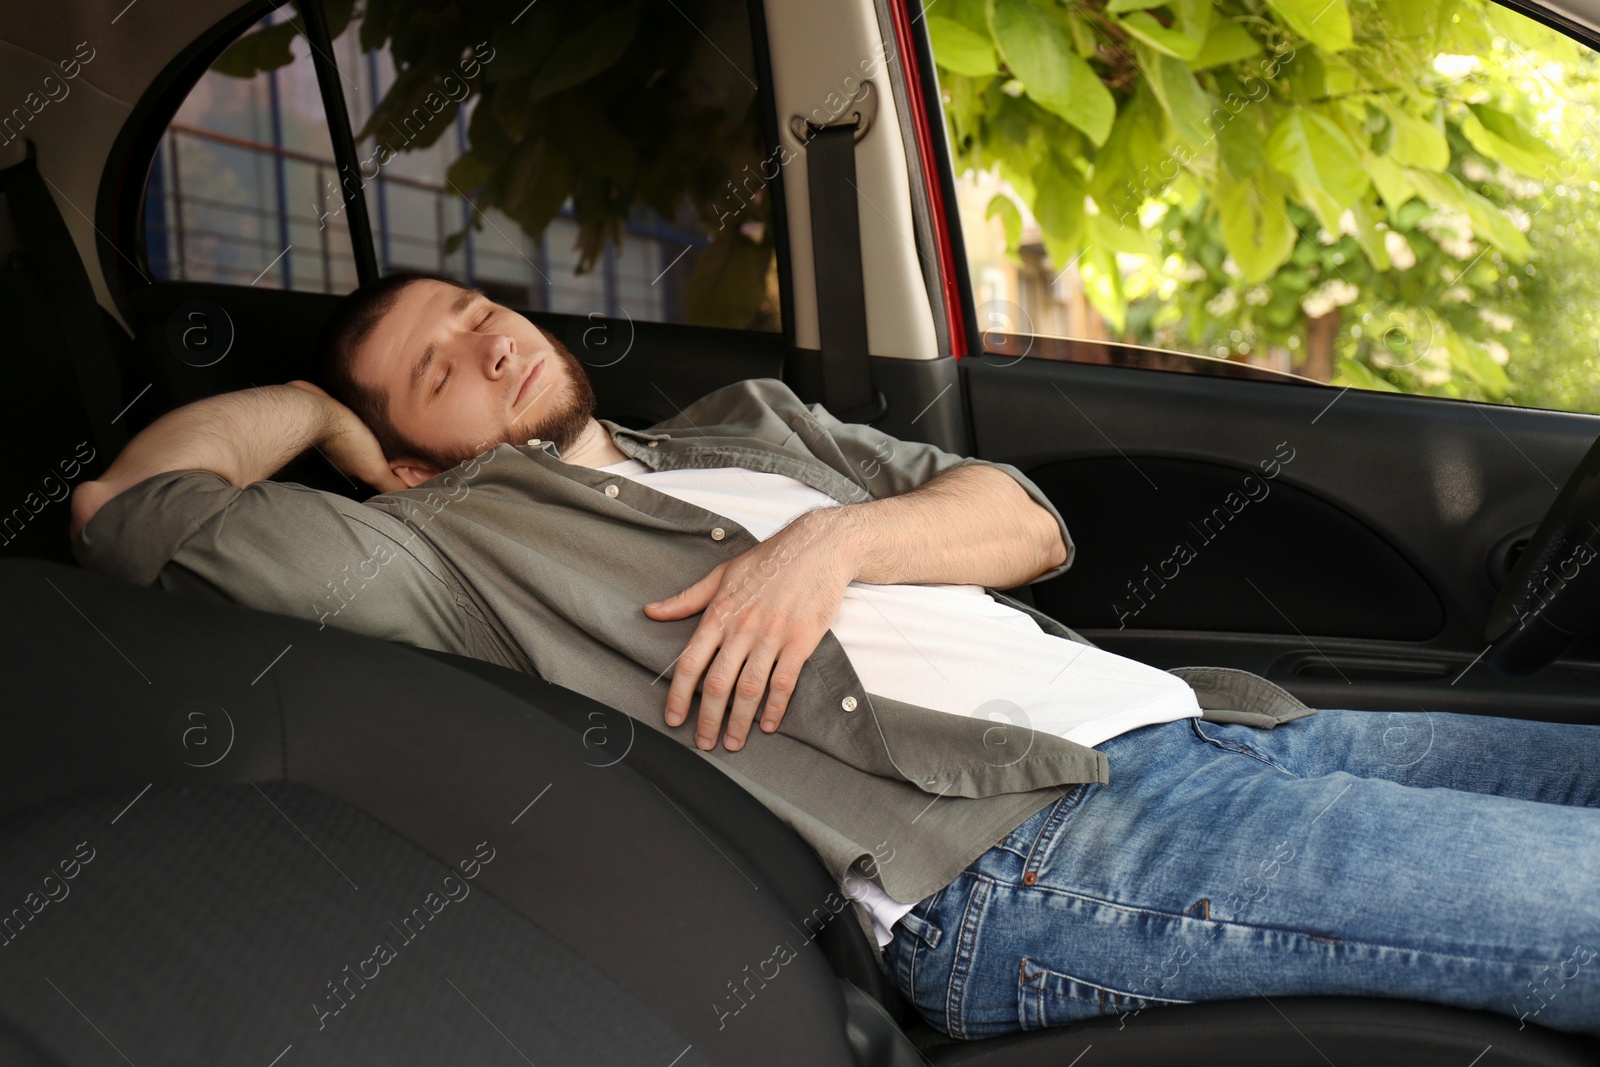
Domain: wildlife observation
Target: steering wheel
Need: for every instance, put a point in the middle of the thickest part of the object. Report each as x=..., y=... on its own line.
x=1552, y=595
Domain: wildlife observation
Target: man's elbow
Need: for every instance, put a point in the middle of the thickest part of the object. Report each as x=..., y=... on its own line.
x=1055, y=551
x=87, y=500
x=1059, y=553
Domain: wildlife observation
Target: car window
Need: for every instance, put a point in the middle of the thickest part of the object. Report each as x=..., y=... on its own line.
x=1385, y=194
x=578, y=158
x=230, y=197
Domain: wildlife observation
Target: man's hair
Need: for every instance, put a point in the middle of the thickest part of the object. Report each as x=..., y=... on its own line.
x=350, y=325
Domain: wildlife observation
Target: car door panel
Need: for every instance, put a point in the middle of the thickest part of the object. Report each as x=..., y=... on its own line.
x=1360, y=574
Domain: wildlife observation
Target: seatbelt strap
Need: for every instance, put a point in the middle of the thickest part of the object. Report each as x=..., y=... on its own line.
x=847, y=386
x=54, y=257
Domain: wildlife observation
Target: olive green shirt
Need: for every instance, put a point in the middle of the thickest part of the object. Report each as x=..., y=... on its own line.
x=522, y=559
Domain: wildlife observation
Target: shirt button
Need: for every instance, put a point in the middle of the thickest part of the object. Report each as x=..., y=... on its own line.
x=611, y=490
x=653, y=444
x=533, y=440
x=848, y=703
x=718, y=534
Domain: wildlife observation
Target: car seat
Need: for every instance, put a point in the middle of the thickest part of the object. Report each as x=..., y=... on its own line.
x=264, y=799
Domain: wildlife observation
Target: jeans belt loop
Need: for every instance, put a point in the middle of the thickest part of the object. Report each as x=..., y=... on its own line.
x=927, y=931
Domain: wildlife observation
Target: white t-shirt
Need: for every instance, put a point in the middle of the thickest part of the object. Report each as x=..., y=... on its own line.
x=953, y=648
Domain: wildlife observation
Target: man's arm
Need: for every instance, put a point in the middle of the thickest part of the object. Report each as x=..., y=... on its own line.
x=935, y=518
x=971, y=525
x=189, y=506
x=243, y=437
x=766, y=610
x=893, y=469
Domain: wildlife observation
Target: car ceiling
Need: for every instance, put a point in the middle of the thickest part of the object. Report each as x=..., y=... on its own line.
x=815, y=45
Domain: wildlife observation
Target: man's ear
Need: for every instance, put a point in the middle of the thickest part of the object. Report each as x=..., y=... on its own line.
x=412, y=472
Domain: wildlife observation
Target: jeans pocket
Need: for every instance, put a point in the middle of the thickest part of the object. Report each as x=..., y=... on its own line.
x=1053, y=998
x=1023, y=839
x=1039, y=846
x=1225, y=737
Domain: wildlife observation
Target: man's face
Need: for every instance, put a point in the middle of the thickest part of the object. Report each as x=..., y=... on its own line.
x=463, y=374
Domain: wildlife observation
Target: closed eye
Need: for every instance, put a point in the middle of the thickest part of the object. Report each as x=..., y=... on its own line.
x=487, y=315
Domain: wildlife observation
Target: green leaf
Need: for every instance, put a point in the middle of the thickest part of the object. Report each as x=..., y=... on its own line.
x=1307, y=76
x=589, y=137
x=1493, y=223
x=1473, y=359
x=1417, y=142
x=973, y=14
x=1133, y=165
x=1241, y=145
x=1085, y=41
x=957, y=48
x=1255, y=227
x=1389, y=178
x=1037, y=49
x=1323, y=206
x=406, y=112
x=466, y=173
x=1227, y=42
x=1185, y=102
x=1058, y=205
x=1142, y=26
x=1102, y=284
x=1360, y=376
x=1186, y=190
x=1325, y=23
x=1194, y=17
x=1105, y=231
x=1010, y=218
x=534, y=183
x=584, y=54
x=728, y=283
x=1488, y=221
x=1415, y=21
x=487, y=137
x=1317, y=155
x=1498, y=135
x=522, y=47
x=1531, y=36
x=265, y=49
x=1020, y=180
x=337, y=13
x=1116, y=7
x=1369, y=237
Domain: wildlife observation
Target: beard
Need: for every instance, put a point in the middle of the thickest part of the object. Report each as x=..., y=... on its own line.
x=570, y=412
x=567, y=417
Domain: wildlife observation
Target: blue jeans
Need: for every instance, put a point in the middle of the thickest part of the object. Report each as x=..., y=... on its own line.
x=1428, y=856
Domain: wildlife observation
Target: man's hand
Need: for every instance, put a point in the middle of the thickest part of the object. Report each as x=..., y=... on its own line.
x=972, y=525
x=349, y=445
x=770, y=605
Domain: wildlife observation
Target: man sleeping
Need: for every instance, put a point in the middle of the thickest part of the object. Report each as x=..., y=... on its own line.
x=754, y=562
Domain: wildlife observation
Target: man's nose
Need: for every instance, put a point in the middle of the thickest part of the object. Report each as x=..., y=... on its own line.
x=498, y=352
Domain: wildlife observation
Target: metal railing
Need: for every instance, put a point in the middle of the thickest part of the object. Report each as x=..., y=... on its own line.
x=187, y=237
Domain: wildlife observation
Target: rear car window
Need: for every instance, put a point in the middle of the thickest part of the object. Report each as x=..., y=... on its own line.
x=577, y=158
x=233, y=185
